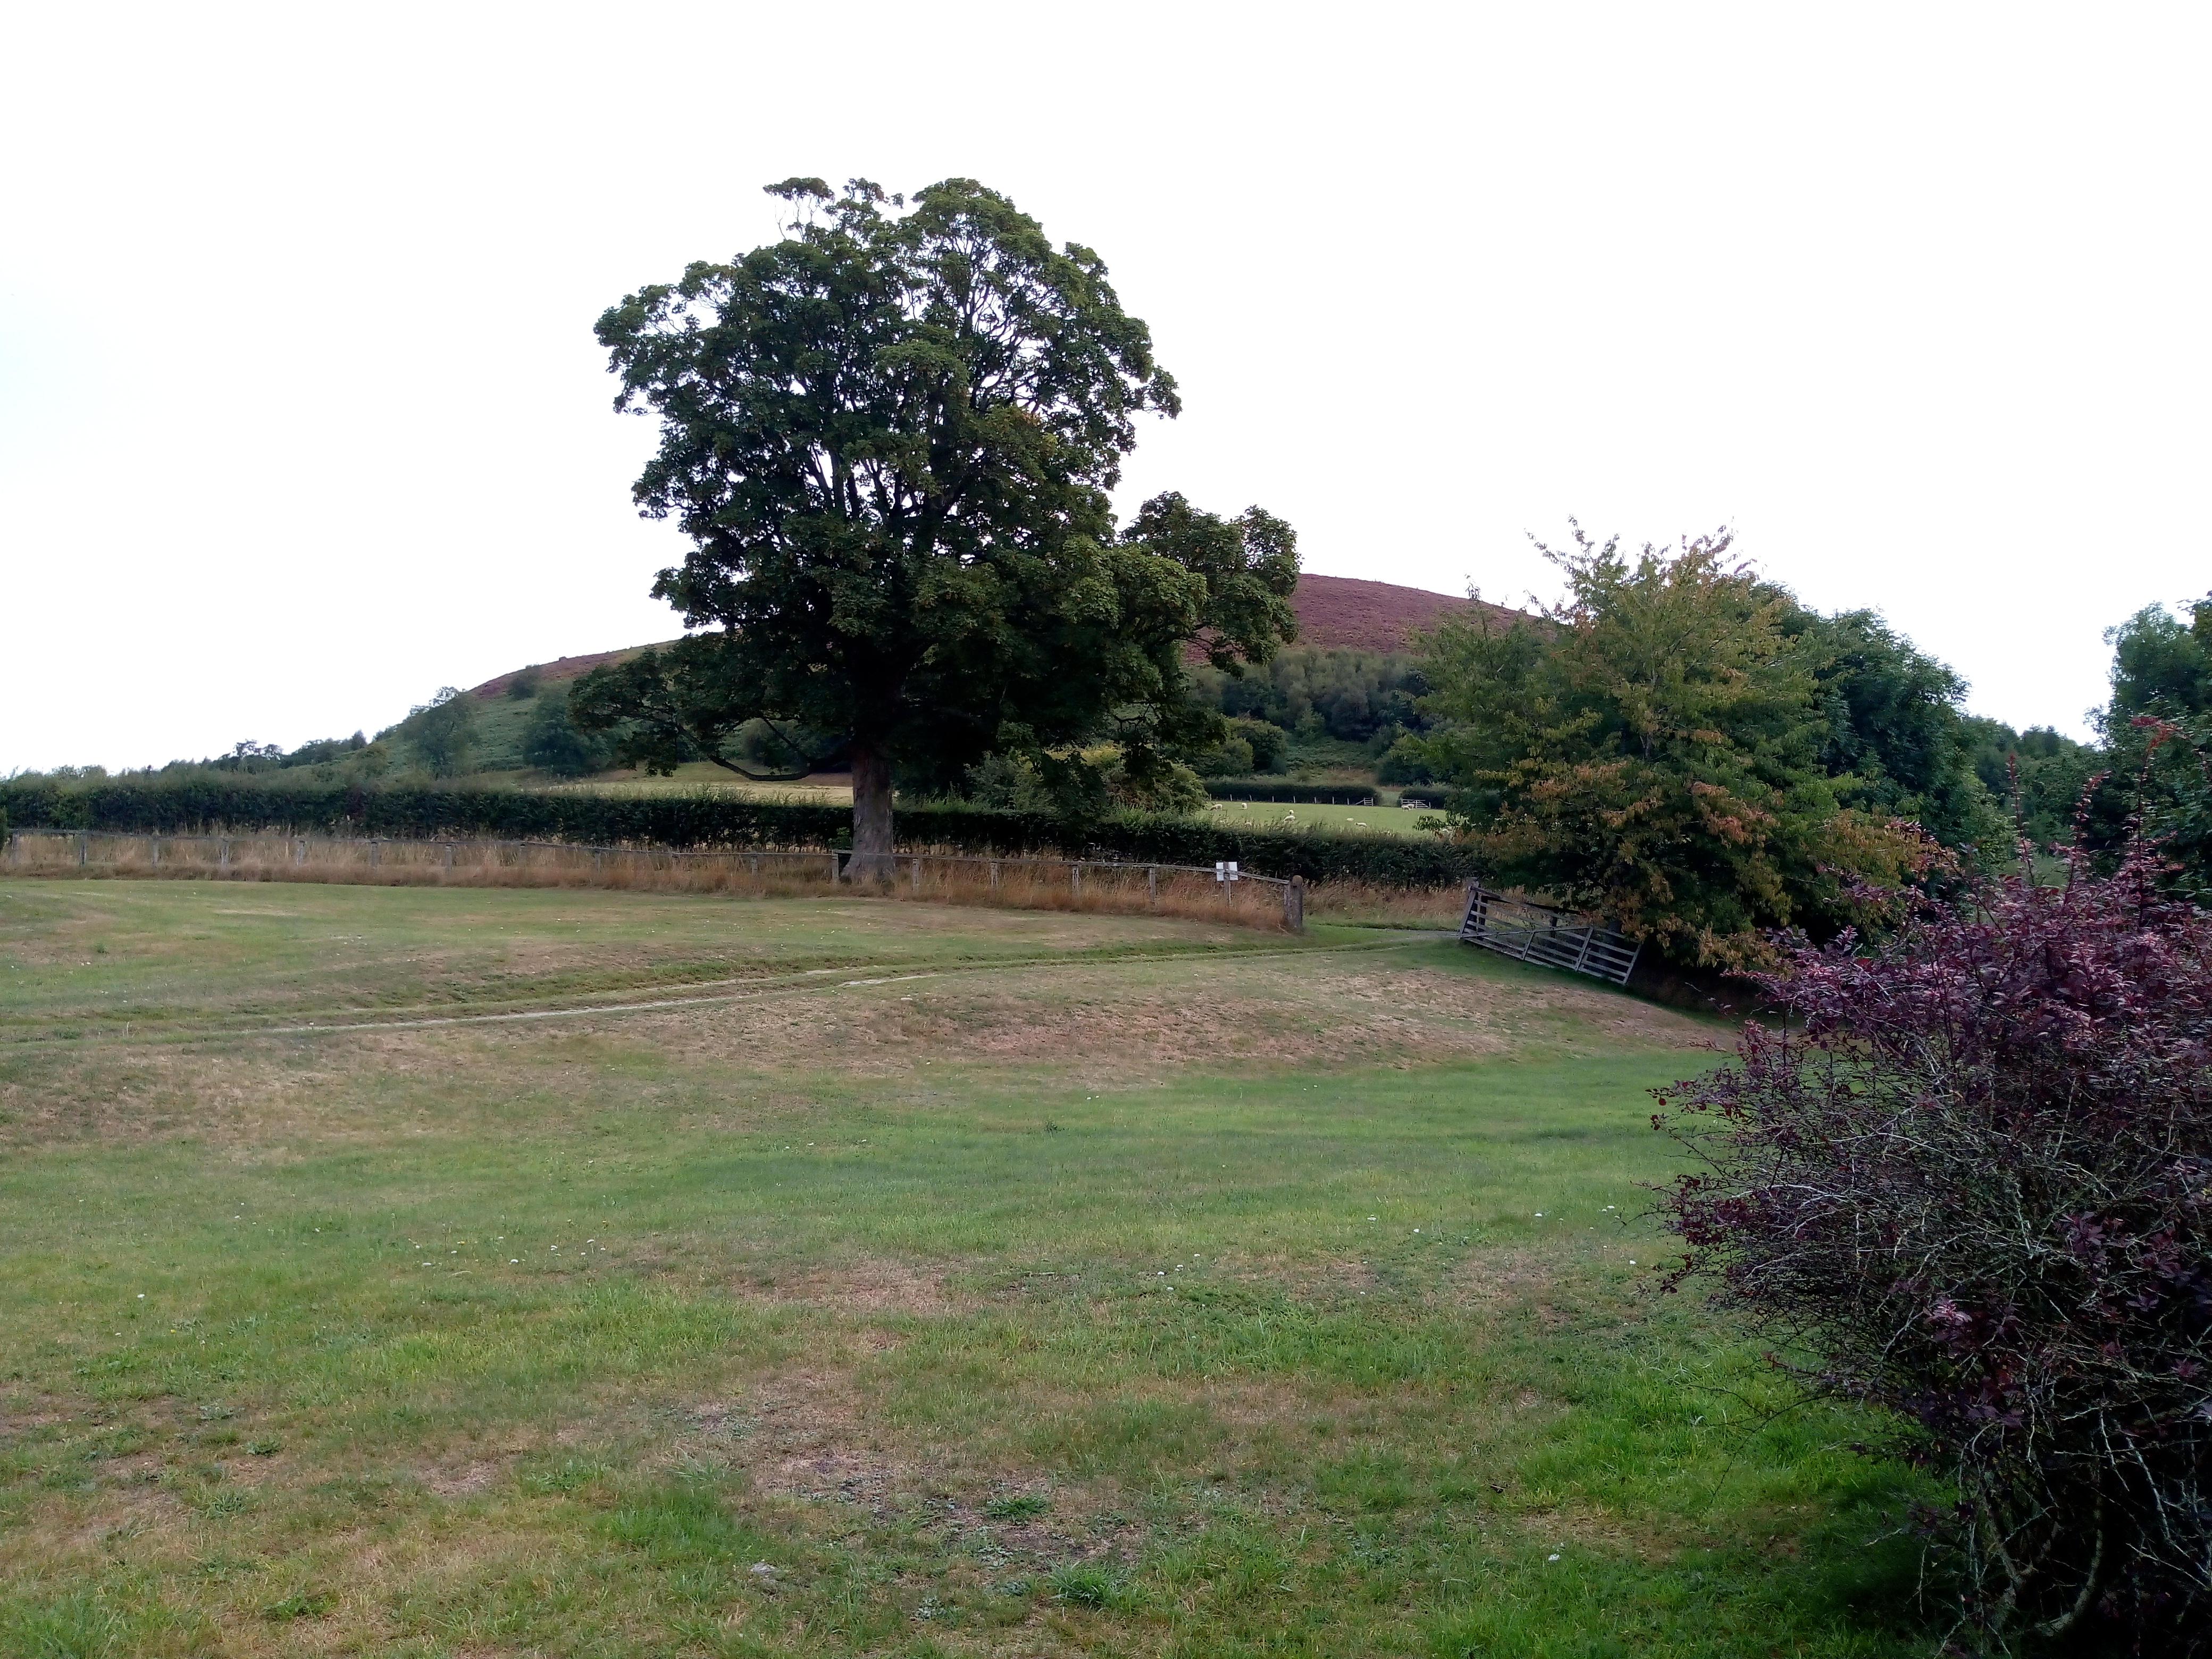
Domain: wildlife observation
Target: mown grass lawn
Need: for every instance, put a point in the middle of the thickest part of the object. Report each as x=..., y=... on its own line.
x=1073, y=1284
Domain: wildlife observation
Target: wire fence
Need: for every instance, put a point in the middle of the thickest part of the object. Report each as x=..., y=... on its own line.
x=1223, y=890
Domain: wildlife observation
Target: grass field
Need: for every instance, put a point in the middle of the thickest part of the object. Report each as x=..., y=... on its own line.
x=844, y=1276
x=696, y=777
x=1258, y=815
x=1308, y=815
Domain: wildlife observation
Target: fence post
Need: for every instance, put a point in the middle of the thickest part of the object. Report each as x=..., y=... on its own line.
x=1294, y=904
x=449, y=855
x=375, y=851
x=154, y=846
x=833, y=865
x=1075, y=878
x=222, y=853
x=1152, y=884
x=994, y=875
x=917, y=872
x=82, y=843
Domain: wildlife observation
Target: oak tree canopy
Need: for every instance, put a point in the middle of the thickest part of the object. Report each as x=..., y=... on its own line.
x=889, y=437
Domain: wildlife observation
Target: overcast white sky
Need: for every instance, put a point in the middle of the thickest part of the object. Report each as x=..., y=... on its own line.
x=300, y=415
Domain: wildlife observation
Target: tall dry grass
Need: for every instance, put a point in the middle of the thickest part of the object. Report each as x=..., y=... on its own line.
x=1365, y=904
x=938, y=877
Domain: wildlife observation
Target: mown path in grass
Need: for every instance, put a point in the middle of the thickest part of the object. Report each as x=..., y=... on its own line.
x=1176, y=1303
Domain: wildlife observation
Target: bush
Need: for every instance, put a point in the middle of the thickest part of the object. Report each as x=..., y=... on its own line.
x=1405, y=762
x=1969, y=1180
x=1232, y=758
x=1249, y=747
x=1269, y=742
x=1338, y=794
x=202, y=801
x=1423, y=794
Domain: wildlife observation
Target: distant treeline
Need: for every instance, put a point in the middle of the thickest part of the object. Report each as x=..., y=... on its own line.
x=205, y=801
x=1367, y=697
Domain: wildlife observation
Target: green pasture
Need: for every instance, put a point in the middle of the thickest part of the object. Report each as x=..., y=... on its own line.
x=697, y=776
x=845, y=1277
x=1252, y=815
x=1308, y=815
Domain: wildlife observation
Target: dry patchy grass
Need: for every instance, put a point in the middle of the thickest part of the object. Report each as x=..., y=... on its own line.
x=1211, y=1304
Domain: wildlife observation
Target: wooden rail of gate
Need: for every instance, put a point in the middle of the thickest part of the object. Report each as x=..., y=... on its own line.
x=1548, y=935
x=79, y=847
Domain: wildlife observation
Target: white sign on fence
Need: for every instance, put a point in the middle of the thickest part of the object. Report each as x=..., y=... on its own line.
x=1226, y=870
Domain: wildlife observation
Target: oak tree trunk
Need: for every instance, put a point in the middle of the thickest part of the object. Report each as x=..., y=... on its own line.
x=872, y=815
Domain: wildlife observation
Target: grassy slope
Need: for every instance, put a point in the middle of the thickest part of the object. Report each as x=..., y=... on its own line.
x=1139, y=1298
x=502, y=723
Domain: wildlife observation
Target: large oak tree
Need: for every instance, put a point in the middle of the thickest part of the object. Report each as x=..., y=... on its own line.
x=891, y=437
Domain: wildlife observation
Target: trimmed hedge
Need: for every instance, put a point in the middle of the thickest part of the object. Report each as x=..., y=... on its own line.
x=1295, y=794
x=1423, y=794
x=242, y=803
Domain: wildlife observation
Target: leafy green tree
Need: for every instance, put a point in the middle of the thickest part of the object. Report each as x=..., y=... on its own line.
x=552, y=743
x=439, y=732
x=1651, y=750
x=2162, y=665
x=1353, y=695
x=889, y=437
x=1232, y=758
x=1249, y=747
x=2157, y=755
x=1892, y=726
x=2035, y=777
x=1269, y=742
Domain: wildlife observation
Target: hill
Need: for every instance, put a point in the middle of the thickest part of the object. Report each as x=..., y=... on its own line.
x=1345, y=613
x=1335, y=613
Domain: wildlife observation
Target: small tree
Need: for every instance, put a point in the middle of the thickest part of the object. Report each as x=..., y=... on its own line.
x=1650, y=751
x=441, y=731
x=889, y=437
x=552, y=743
x=1970, y=1183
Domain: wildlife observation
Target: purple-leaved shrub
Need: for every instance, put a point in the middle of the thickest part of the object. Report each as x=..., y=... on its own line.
x=1967, y=1180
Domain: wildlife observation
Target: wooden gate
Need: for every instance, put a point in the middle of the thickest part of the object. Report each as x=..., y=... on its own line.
x=1546, y=935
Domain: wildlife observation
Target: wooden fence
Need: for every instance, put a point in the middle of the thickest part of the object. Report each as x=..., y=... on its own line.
x=332, y=858
x=1548, y=935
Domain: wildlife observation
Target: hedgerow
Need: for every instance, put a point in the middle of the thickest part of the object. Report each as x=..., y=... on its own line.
x=231, y=801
